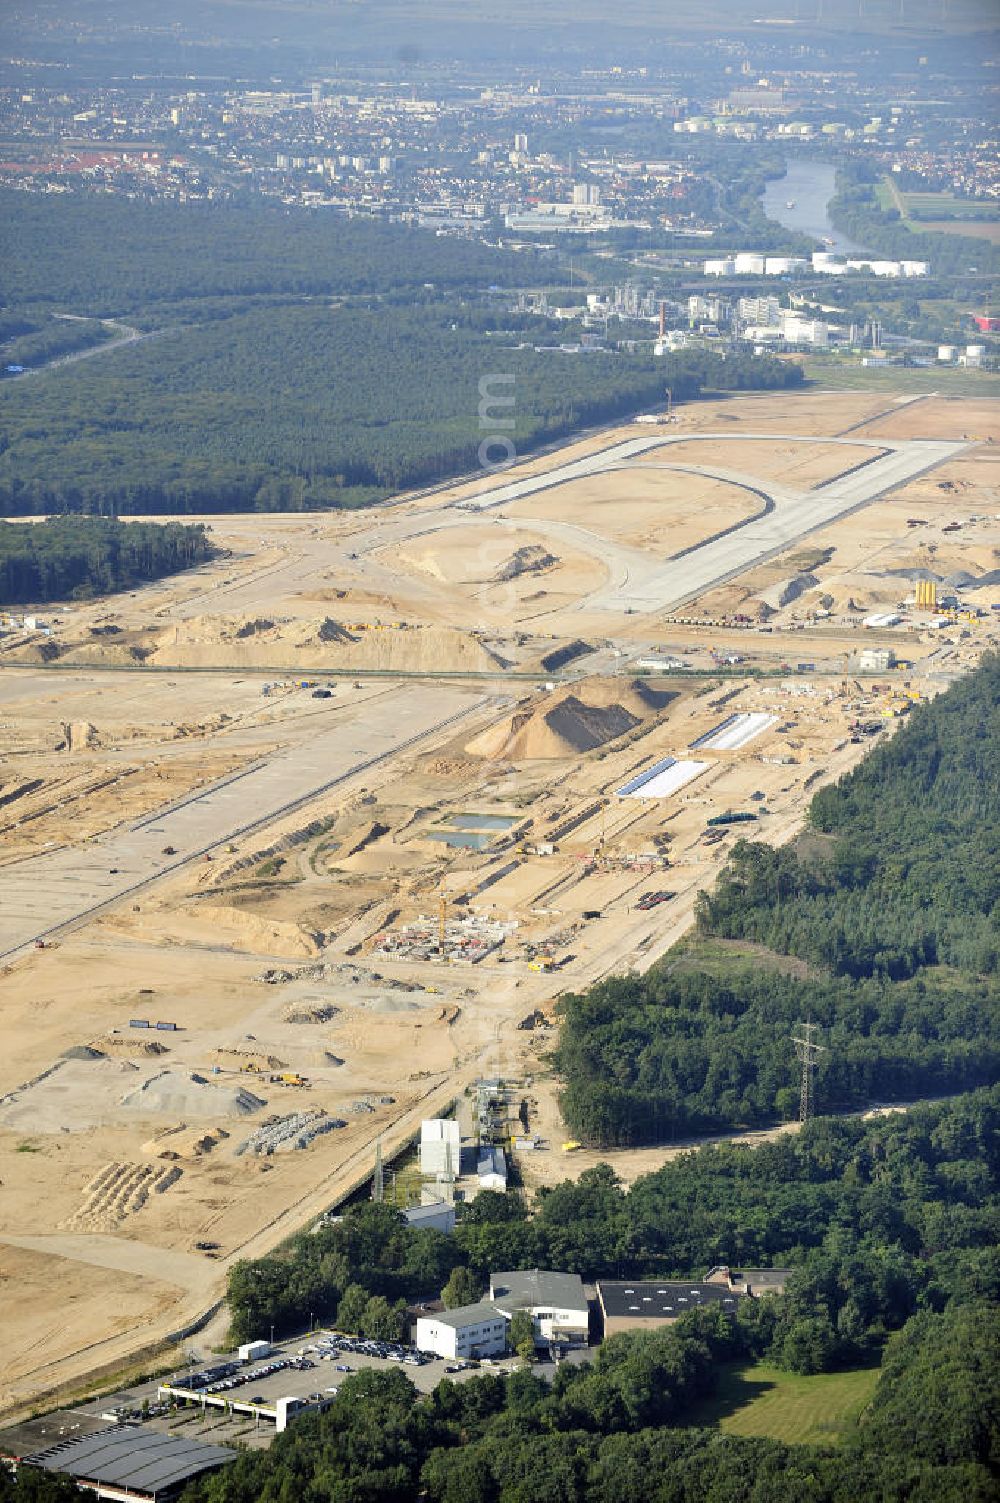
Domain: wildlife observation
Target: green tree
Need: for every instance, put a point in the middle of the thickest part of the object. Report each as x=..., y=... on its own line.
x=382, y=1321
x=462, y=1288
x=353, y=1309
x=521, y=1335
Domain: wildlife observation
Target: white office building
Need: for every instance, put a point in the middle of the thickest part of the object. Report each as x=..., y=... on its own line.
x=470, y=1331
x=556, y=1303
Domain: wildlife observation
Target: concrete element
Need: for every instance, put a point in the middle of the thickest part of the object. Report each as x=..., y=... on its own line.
x=733, y=733
x=662, y=779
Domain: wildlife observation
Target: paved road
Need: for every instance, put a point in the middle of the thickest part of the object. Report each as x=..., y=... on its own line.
x=43, y=894
x=668, y=586
x=647, y=584
x=127, y=335
x=636, y=581
x=630, y=448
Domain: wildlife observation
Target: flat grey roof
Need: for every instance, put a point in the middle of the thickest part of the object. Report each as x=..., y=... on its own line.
x=662, y=1299
x=763, y=1278
x=538, y=1286
x=144, y=1460
x=466, y=1315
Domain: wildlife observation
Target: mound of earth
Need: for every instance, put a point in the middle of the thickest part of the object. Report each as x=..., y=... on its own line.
x=635, y=695
x=44, y=650
x=564, y=727
x=117, y=654
x=207, y=641
x=257, y=933
x=124, y=1043
x=245, y=1059
x=174, y=1094
x=310, y=1012
x=532, y=558
x=324, y=1058
x=787, y=590
x=82, y=1051
x=182, y=1142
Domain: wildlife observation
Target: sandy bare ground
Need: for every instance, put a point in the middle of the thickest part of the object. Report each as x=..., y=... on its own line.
x=95, y=1120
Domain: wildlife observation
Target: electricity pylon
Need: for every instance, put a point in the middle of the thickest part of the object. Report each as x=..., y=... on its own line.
x=807, y=1051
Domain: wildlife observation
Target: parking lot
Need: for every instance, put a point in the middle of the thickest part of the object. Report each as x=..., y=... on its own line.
x=240, y=1398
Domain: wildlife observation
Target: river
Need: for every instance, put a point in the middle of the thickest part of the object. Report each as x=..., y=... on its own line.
x=799, y=199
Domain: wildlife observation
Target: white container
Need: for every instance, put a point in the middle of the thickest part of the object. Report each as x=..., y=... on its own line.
x=253, y=1351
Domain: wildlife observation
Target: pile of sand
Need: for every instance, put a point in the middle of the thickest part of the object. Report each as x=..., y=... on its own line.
x=787, y=590
x=245, y=1059
x=635, y=695
x=125, y=1043
x=117, y=654
x=317, y=1057
x=310, y=1012
x=259, y=935
x=82, y=1051
x=256, y=642
x=183, y=1142
x=532, y=558
x=563, y=726
x=174, y=1094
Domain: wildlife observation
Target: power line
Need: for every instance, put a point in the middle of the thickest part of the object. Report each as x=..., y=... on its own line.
x=807, y=1051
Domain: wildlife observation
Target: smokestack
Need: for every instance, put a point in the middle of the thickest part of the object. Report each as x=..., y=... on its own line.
x=663, y=319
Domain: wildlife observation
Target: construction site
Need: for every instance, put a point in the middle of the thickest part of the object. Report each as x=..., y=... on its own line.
x=300, y=845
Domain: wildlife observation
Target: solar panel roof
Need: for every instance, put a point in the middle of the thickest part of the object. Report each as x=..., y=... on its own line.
x=145, y=1460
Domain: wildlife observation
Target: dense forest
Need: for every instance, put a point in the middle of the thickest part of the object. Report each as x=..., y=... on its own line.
x=306, y=406
x=892, y=1225
x=67, y=558
x=102, y=255
x=907, y=874
x=891, y=898
x=295, y=359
